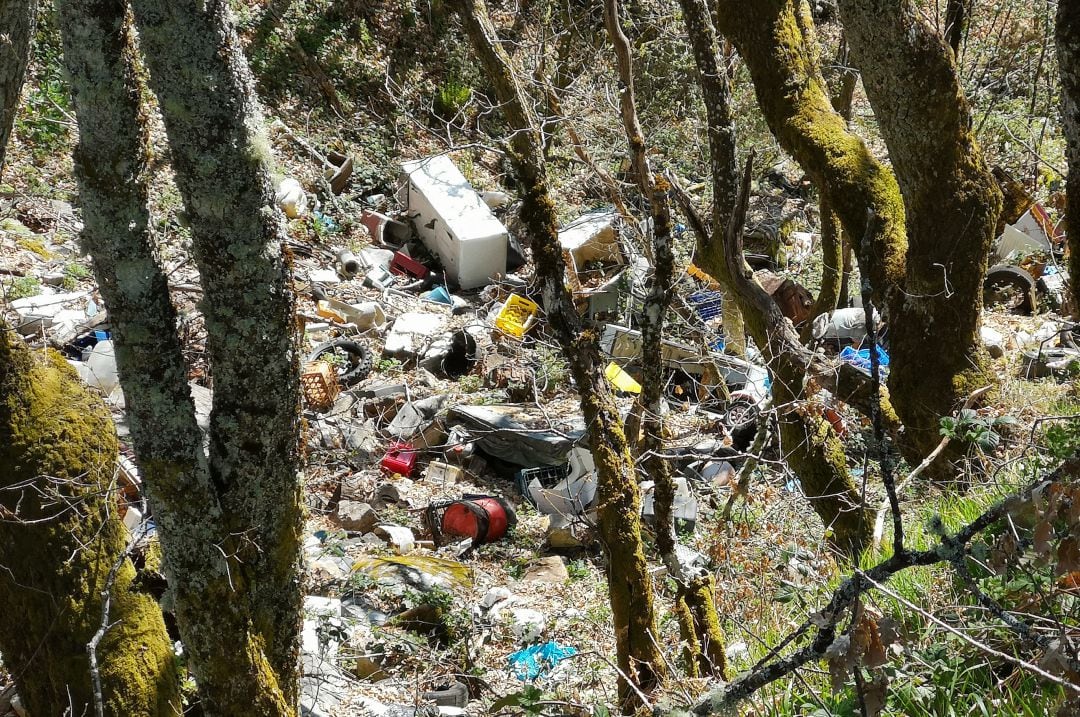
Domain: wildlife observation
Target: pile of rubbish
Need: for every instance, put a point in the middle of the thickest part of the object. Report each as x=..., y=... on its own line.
x=440, y=412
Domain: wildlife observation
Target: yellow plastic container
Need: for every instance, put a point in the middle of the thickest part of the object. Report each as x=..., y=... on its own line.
x=694, y=271
x=621, y=379
x=517, y=315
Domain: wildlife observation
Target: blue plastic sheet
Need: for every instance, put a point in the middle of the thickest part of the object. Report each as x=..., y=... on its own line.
x=861, y=358
x=530, y=663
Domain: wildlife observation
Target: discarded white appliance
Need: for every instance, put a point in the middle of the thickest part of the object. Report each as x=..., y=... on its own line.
x=454, y=222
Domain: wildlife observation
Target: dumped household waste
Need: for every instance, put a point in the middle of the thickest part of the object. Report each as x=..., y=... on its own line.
x=860, y=358
x=530, y=663
x=561, y=490
x=595, y=262
x=844, y=327
x=684, y=507
x=520, y=434
x=423, y=572
x=454, y=222
x=482, y=518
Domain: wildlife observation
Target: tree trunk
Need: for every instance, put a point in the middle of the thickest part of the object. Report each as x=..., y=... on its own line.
x=774, y=39
x=832, y=265
x=952, y=205
x=63, y=548
x=229, y=524
x=723, y=165
x=629, y=583
x=1068, y=52
x=17, y=18
x=813, y=448
x=956, y=15
x=694, y=599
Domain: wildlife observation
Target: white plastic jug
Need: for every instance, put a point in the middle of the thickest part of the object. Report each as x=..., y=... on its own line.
x=101, y=368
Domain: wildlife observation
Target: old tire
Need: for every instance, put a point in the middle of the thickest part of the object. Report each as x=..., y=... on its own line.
x=1011, y=288
x=357, y=364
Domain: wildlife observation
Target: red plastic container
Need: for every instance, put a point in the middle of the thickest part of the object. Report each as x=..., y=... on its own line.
x=407, y=266
x=400, y=458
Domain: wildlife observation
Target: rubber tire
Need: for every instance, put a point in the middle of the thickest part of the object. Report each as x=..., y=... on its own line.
x=357, y=371
x=1016, y=278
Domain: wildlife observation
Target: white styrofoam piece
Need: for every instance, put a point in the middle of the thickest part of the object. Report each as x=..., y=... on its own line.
x=453, y=221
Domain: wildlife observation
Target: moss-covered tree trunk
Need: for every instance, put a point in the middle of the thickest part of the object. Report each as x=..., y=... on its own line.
x=775, y=40
x=952, y=205
x=809, y=442
x=229, y=522
x=1068, y=53
x=695, y=605
x=16, y=33
x=63, y=547
x=619, y=501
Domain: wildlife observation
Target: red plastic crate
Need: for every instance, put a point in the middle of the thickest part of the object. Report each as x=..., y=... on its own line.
x=407, y=266
x=400, y=458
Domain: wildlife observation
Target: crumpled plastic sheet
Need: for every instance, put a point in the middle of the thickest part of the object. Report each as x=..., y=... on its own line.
x=530, y=663
x=861, y=358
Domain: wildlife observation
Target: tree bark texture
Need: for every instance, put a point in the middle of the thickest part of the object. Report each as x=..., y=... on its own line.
x=17, y=21
x=62, y=547
x=952, y=205
x=812, y=447
x=721, y=132
x=1067, y=36
x=619, y=501
x=229, y=522
x=654, y=189
x=774, y=39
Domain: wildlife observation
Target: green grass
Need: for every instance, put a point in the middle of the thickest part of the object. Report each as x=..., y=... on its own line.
x=23, y=287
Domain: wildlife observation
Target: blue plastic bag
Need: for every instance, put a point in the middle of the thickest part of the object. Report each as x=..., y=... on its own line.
x=861, y=358
x=530, y=663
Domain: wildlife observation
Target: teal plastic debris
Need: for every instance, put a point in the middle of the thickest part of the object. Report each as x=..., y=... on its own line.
x=530, y=663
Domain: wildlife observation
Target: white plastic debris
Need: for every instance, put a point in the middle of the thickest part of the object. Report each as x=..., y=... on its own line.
x=99, y=370
x=411, y=332
x=399, y=537
x=527, y=624
x=290, y=198
x=495, y=199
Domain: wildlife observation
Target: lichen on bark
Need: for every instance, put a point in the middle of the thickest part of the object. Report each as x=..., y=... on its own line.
x=229, y=521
